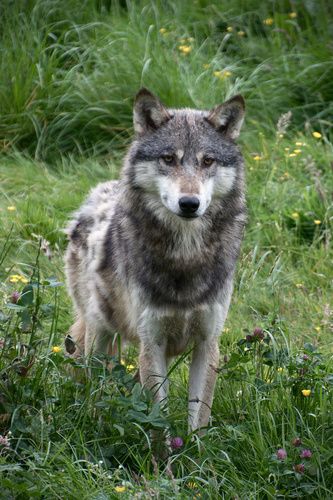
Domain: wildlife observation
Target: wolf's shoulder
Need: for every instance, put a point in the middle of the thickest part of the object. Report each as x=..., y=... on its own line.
x=103, y=193
x=97, y=207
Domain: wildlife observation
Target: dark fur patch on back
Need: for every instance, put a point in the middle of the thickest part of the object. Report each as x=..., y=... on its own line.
x=79, y=233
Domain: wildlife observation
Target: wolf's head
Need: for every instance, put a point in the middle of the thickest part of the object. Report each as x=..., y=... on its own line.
x=184, y=159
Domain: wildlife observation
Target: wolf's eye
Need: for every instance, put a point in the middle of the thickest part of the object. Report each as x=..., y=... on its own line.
x=168, y=159
x=208, y=161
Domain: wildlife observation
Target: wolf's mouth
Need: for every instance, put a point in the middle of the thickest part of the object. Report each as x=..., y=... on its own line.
x=188, y=216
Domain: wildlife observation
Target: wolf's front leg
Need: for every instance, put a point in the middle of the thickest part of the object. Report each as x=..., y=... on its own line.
x=205, y=360
x=153, y=376
x=153, y=370
x=207, y=326
x=153, y=359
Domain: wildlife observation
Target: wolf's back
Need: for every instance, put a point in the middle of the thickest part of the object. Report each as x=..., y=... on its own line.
x=86, y=233
x=96, y=209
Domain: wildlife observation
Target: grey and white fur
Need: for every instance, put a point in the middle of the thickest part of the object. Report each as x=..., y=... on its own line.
x=151, y=257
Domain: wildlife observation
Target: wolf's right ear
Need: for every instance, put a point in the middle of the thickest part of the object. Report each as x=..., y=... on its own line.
x=228, y=117
x=149, y=112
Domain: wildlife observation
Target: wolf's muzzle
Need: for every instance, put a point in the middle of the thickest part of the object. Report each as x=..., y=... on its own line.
x=188, y=206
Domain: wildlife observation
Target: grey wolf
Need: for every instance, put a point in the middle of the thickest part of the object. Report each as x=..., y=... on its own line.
x=151, y=257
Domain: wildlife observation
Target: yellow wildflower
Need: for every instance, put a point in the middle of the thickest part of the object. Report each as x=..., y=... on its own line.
x=257, y=158
x=230, y=29
x=185, y=49
x=299, y=285
x=241, y=33
x=192, y=485
x=286, y=149
x=15, y=278
x=292, y=155
x=226, y=330
x=130, y=368
x=280, y=369
x=292, y=15
x=222, y=74
x=11, y=209
x=295, y=215
x=190, y=39
x=120, y=489
x=269, y=21
x=297, y=151
x=281, y=136
x=298, y=143
x=162, y=31
x=306, y=392
x=206, y=66
x=56, y=348
x=317, y=222
x=316, y=135
x=317, y=328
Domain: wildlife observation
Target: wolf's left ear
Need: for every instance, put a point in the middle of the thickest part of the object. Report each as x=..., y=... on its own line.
x=149, y=112
x=228, y=117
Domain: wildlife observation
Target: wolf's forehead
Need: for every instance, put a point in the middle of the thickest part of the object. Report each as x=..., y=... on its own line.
x=187, y=134
x=188, y=117
x=191, y=120
x=188, y=129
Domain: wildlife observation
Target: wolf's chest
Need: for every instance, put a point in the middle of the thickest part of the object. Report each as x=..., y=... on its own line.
x=168, y=283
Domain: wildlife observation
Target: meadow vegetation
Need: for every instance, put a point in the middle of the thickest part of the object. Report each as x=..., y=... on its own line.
x=69, y=71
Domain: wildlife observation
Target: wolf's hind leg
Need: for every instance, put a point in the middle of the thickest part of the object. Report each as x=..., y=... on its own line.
x=74, y=342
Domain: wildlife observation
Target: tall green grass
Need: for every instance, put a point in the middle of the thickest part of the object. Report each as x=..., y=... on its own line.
x=69, y=74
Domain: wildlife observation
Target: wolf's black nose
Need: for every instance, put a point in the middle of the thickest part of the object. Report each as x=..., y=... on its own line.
x=189, y=204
